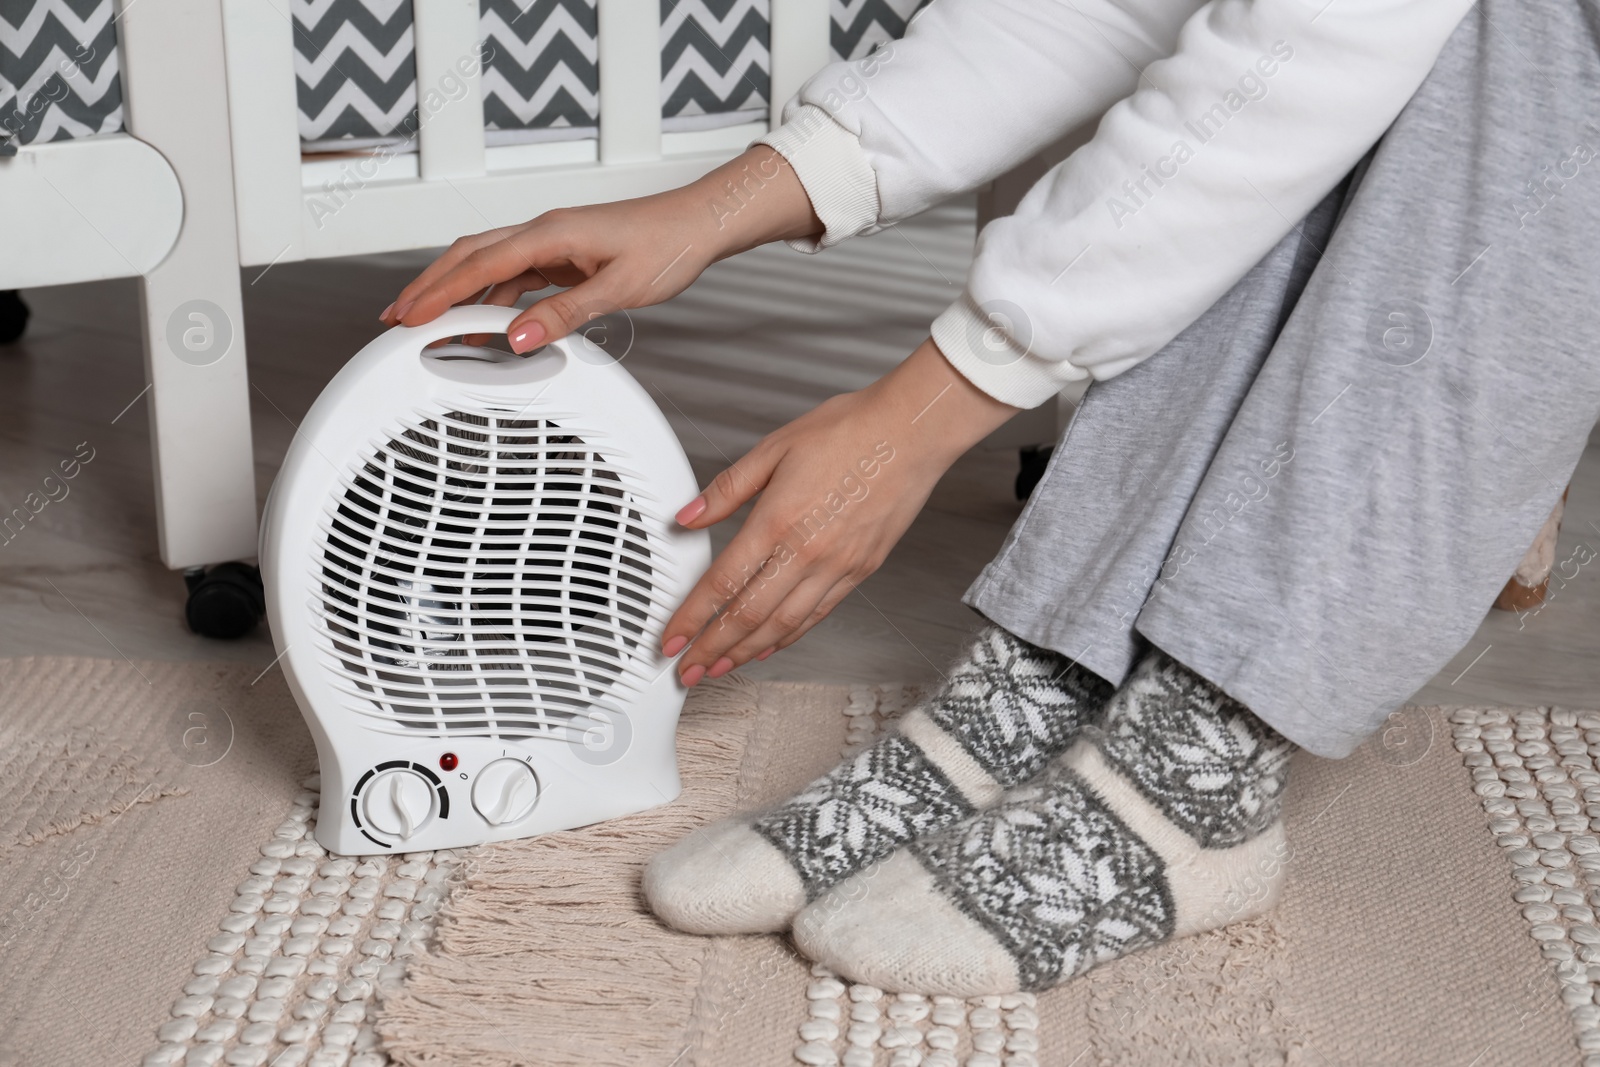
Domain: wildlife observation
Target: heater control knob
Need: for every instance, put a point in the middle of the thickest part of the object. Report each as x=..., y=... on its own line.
x=505, y=791
x=398, y=803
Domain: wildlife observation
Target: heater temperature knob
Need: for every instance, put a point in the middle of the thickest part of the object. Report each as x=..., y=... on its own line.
x=505, y=792
x=398, y=802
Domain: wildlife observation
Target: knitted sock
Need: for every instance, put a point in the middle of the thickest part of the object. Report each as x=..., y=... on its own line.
x=1006, y=709
x=1167, y=825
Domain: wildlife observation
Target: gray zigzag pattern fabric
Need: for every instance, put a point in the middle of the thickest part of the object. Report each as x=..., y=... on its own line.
x=1055, y=876
x=714, y=56
x=859, y=26
x=59, y=74
x=1211, y=766
x=541, y=64
x=355, y=69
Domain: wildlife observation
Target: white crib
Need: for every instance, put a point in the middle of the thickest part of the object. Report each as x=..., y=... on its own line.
x=209, y=176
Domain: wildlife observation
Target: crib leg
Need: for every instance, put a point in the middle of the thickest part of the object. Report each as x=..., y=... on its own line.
x=193, y=317
x=1527, y=588
x=199, y=411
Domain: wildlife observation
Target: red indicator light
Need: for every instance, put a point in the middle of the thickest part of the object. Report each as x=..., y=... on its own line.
x=448, y=761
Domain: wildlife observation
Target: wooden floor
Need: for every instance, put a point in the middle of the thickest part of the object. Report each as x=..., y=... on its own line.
x=756, y=342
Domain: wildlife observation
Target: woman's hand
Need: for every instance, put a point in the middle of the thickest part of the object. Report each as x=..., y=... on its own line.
x=839, y=486
x=628, y=254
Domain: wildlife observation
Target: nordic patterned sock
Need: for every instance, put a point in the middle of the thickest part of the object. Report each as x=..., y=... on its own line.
x=1005, y=710
x=1166, y=825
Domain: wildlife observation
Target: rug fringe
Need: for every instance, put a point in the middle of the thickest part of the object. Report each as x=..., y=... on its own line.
x=572, y=899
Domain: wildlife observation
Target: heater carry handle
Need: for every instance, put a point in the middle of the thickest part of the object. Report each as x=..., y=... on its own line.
x=489, y=318
x=575, y=360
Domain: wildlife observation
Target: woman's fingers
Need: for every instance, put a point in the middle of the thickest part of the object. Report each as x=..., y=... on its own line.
x=731, y=489
x=751, y=548
x=516, y=252
x=562, y=313
x=843, y=588
x=459, y=250
x=812, y=599
x=506, y=294
x=772, y=578
x=772, y=601
x=441, y=342
x=718, y=590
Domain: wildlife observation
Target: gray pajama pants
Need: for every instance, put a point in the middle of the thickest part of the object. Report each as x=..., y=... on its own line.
x=1313, y=494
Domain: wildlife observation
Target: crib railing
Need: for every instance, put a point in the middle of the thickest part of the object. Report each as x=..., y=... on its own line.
x=291, y=209
x=450, y=140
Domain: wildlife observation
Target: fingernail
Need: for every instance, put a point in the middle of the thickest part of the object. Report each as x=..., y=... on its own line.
x=693, y=674
x=767, y=653
x=383, y=316
x=400, y=312
x=721, y=667
x=692, y=511
x=527, y=336
x=674, y=645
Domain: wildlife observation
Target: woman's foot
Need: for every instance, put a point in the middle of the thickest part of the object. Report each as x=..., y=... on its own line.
x=1167, y=825
x=1006, y=709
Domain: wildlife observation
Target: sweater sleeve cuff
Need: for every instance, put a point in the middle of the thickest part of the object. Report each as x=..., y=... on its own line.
x=988, y=352
x=828, y=160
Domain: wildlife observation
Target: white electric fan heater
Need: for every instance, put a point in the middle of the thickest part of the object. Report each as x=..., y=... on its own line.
x=469, y=560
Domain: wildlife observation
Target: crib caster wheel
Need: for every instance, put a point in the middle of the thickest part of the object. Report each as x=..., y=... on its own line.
x=226, y=601
x=13, y=316
x=1032, y=462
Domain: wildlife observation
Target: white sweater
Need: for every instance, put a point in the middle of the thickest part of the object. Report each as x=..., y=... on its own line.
x=1231, y=120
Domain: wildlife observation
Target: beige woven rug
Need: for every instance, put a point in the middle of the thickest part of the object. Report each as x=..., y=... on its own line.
x=163, y=902
x=1398, y=940
x=133, y=800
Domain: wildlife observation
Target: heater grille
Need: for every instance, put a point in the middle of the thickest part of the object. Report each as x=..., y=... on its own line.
x=488, y=575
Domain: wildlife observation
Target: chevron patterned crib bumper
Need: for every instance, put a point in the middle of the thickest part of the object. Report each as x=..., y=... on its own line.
x=58, y=71
x=355, y=66
x=541, y=78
